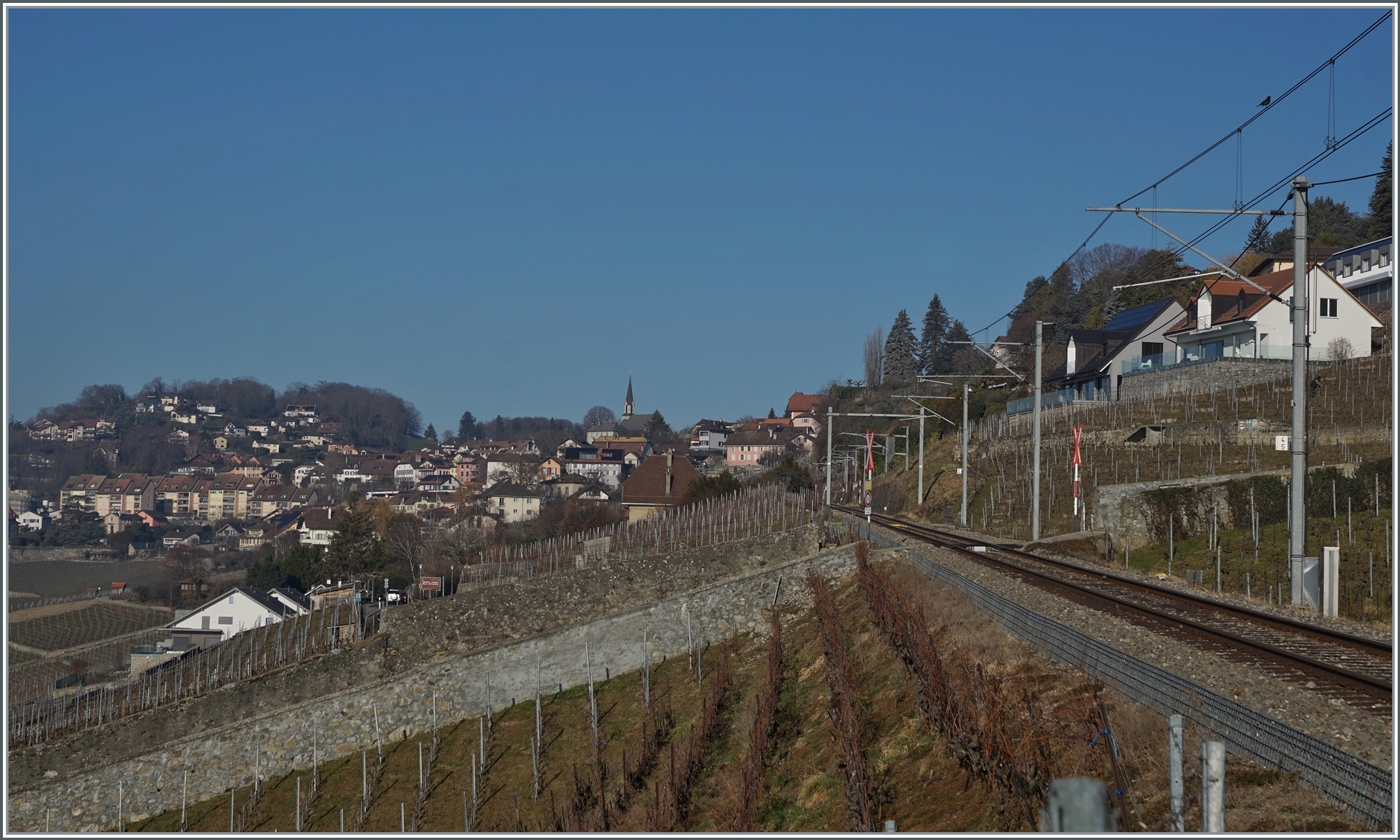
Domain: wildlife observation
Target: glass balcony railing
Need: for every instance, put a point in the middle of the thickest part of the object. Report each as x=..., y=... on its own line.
x=1195, y=354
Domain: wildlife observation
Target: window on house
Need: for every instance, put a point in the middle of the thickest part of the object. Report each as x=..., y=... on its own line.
x=1327, y=307
x=204, y=622
x=225, y=619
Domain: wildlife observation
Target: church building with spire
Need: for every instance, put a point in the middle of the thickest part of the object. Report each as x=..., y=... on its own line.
x=631, y=424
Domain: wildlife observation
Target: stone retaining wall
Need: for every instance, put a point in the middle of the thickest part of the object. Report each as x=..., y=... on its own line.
x=1202, y=377
x=344, y=720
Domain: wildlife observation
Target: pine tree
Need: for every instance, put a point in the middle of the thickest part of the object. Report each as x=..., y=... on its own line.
x=1381, y=218
x=467, y=427
x=935, y=332
x=355, y=547
x=771, y=414
x=901, y=351
x=1258, y=235
x=960, y=358
x=431, y=433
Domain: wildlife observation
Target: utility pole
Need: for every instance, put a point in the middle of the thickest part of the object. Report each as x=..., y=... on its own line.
x=1298, y=515
x=921, y=456
x=964, y=456
x=1035, y=469
x=828, y=456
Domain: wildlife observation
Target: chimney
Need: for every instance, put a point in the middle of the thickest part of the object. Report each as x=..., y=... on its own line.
x=669, y=455
x=1069, y=356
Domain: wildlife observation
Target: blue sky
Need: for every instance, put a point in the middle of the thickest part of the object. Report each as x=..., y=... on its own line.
x=508, y=210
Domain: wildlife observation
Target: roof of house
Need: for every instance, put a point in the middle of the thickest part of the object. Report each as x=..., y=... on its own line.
x=648, y=483
x=509, y=489
x=1271, y=262
x=805, y=402
x=771, y=436
x=1097, y=348
x=1234, y=300
x=318, y=518
x=253, y=593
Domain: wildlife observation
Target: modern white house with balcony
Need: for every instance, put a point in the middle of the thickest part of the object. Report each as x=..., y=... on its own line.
x=1232, y=319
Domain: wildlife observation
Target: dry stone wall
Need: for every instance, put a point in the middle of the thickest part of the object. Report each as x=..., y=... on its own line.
x=274, y=729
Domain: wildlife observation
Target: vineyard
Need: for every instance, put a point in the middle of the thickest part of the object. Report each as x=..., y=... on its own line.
x=245, y=656
x=1349, y=422
x=758, y=510
x=30, y=681
x=887, y=699
x=94, y=621
x=58, y=579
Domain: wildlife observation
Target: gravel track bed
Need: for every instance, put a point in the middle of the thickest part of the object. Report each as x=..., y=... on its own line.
x=1358, y=732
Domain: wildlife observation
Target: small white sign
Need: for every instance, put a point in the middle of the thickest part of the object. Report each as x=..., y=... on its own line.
x=1281, y=443
x=959, y=471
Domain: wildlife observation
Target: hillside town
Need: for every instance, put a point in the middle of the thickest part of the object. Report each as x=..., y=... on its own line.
x=244, y=492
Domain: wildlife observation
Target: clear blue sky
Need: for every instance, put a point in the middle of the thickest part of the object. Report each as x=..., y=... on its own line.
x=507, y=210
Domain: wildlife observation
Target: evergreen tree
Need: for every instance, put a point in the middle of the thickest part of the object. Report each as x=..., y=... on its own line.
x=935, y=331
x=901, y=351
x=771, y=415
x=1258, y=235
x=1381, y=218
x=299, y=568
x=431, y=433
x=657, y=430
x=467, y=427
x=355, y=548
x=960, y=358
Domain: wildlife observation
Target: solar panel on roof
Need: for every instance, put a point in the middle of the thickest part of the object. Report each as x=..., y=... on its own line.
x=1132, y=319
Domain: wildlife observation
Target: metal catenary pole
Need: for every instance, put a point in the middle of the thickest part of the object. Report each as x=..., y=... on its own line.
x=1035, y=444
x=829, y=415
x=1298, y=516
x=964, y=457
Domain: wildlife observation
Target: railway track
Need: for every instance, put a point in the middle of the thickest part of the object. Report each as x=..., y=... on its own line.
x=1356, y=669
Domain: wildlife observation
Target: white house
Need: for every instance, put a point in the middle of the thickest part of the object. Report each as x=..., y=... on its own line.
x=1230, y=318
x=31, y=521
x=317, y=525
x=241, y=608
x=512, y=502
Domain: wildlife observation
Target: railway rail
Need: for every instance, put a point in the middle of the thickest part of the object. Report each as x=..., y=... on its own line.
x=1355, y=668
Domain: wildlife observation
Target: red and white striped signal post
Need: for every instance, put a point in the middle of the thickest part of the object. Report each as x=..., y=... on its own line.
x=1078, y=505
x=869, y=471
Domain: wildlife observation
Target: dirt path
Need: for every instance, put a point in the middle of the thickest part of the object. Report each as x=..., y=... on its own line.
x=49, y=609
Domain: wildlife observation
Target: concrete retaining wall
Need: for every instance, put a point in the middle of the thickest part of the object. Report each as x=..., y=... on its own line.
x=344, y=721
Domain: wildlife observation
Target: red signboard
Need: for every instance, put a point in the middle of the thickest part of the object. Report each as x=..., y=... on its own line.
x=433, y=584
x=869, y=451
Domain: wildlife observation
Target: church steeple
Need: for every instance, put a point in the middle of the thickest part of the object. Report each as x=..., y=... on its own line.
x=627, y=404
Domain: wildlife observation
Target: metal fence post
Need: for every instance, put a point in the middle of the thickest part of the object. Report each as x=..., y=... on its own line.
x=1076, y=805
x=1178, y=785
x=1213, y=787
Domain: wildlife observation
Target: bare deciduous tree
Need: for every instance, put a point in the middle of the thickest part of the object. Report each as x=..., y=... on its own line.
x=874, y=356
x=1339, y=349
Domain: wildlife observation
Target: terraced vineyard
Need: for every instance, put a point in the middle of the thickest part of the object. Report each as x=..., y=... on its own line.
x=93, y=622
x=758, y=734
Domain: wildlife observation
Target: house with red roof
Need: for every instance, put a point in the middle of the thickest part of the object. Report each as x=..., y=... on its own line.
x=1232, y=319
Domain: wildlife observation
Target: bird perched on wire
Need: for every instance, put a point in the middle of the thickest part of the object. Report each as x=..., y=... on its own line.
x=1267, y=100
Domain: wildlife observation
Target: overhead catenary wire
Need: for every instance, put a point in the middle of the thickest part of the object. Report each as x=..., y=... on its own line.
x=1280, y=183
x=1212, y=147
x=1273, y=104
